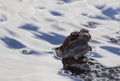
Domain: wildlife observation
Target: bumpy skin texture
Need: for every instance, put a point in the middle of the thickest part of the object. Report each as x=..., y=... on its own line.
x=76, y=44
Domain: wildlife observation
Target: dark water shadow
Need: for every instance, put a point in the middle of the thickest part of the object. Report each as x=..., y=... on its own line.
x=110, y=12
x=55, y=38
x=94, y=41
x=12, y=43
x=29, y=27
x=97, y=55
x=56, y=13
x=66, y=1
x=49, y=52
x=100, y=17
x=114, y=50
x=33, y=52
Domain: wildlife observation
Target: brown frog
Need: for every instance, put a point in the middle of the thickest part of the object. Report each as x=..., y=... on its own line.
x=75, y=45
x=73, y=51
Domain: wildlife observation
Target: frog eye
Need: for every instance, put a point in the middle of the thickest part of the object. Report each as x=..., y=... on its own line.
x=84, y=31
x=74, y=33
